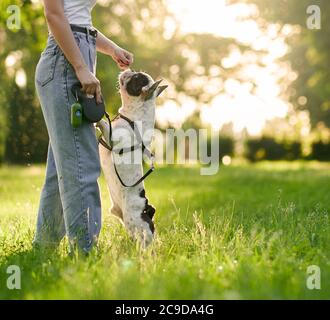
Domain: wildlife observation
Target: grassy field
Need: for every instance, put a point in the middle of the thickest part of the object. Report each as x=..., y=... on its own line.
x=249, y=232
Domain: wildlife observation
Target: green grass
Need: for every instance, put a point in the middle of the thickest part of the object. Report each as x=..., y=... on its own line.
x=249, y=232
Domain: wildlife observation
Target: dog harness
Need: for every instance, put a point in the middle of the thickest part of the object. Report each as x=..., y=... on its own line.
x=140, y=144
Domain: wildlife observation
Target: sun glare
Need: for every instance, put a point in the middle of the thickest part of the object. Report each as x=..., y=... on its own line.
x=237, y=104
x=214, y=16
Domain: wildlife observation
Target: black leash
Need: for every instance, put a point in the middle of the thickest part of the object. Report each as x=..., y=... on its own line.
x=145, y=150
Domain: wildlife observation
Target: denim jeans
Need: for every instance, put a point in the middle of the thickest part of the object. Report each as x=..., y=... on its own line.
x=70, y=200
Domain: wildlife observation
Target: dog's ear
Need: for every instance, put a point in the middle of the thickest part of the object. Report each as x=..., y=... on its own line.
x=149, y=92
x=160, y=90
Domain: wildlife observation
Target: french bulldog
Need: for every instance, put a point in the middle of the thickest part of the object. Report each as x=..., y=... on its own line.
x=138, y=94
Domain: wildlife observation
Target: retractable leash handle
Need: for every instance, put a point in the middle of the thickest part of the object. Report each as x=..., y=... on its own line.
x=85, y=107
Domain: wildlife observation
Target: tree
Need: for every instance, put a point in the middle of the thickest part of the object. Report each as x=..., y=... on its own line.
x=24, y=134
x=309, y=52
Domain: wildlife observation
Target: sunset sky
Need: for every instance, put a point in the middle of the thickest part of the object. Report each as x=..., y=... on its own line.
x=237, y=105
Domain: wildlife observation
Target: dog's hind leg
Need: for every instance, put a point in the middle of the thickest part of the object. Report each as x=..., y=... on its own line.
x=137, y=222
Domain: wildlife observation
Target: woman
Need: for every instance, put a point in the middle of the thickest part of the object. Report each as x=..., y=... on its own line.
x=70, y=200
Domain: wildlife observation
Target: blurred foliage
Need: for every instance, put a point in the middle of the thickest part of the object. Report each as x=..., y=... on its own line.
x=320, y=151
x=309, y=52
x=144, y=27
x=266, y=148
x=24, y=134
x=187, y=62
x=226, y=146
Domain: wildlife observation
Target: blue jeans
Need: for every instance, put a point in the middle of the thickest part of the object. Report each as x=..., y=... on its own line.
x=70, y=200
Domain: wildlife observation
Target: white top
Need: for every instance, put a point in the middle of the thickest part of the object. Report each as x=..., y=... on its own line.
x=79, y=11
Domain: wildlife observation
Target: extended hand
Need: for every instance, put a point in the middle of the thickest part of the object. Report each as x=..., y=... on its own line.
x=123, y=58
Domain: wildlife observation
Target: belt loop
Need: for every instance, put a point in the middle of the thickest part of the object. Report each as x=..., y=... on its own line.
x=87, y=34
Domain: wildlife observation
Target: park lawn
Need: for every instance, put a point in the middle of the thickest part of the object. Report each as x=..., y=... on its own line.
x=250, y=232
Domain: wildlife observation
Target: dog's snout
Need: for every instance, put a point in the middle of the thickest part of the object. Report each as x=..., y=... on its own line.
x=126, y=75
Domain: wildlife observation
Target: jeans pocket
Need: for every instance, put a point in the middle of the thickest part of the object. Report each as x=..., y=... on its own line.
x=46, y=67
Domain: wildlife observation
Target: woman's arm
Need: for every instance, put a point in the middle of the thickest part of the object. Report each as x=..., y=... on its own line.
x=122, y=57
x=60, y=28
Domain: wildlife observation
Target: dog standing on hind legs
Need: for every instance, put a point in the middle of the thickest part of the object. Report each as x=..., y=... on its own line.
x=126, y=140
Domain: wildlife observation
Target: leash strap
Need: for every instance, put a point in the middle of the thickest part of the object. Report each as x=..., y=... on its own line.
x=149, y=172
x=122, y=151
x=101, y=140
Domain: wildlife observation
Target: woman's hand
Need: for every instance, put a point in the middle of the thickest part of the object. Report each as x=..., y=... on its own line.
x=122, y=57
x=90, y=84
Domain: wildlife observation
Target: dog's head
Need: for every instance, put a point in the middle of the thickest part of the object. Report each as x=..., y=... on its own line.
x=137, y=87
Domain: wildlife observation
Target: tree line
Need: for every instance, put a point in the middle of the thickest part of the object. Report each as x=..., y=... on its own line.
x=148, y=29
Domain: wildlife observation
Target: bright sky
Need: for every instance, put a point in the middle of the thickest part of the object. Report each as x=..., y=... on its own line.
x=237, y=105
x=213, y=16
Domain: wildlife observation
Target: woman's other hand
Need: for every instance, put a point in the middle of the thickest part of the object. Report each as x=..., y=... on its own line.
x=90, y=84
